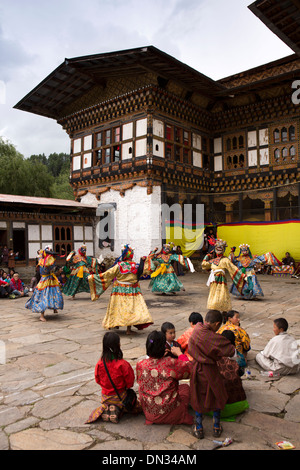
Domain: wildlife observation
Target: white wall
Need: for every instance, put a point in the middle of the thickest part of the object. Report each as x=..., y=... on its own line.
x=137, y=221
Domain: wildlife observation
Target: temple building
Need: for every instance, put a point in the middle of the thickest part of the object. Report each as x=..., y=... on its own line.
x=28, y=224
x=146, y=130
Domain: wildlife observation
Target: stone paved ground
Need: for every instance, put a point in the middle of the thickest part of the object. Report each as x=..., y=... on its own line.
x=47, y=387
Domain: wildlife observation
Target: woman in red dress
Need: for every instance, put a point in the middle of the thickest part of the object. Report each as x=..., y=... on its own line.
x=163, y=400
x=122, y=375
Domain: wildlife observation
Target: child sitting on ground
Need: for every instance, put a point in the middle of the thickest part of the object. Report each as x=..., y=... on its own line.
x=122, y=375
x=281, y=354
x=183, y=340
x=238, y=357
x=168, y=329
x=232, y=322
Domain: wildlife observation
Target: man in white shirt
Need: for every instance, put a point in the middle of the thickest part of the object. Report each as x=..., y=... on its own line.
x=281, y=354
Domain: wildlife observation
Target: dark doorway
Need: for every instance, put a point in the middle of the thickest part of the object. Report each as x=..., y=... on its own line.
x=19, y=244
x=3, y=237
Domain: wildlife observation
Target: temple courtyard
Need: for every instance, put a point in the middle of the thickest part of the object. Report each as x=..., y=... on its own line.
x=47, y=386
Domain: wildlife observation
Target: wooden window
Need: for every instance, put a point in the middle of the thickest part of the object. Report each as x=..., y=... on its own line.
x=234, y=143
x=177, y=134
x=116, y=153
x=186, y=138
x=276, y=135
x=168, y=132
x=169, y=151
x=205, y=162
x=177, y=152
x=277, y=155
x=178, y=144
x=186, y=156
x=98, y=140
x=241, y=142
x=284, y=134
x=108, y=137
x=228, y=145
x=292, y=151
x=117, y=134
x=284, y=153
x=292, y=133
x=63, y=239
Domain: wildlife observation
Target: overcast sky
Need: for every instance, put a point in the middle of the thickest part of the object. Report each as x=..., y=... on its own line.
x=216, y=37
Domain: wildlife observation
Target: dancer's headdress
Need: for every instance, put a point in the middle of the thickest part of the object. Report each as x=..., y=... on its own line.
x=82, y=250
x=246, y=247
x=220, y=243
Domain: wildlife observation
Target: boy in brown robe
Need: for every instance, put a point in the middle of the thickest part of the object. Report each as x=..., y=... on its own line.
x=208, y=392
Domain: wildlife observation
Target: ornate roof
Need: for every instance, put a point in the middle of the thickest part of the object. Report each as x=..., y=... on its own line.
x=76, y=77
x=282, y=17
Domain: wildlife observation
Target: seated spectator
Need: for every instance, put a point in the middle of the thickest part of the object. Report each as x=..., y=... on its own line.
x=288, y=260
x=231, y=322
x=238, y=357
x=281, y=354
x=168, y=329
x=4, y=289
x=5, y=277
x=122, y=375
x=163, y=400
x=62, y=279
x=17, y=286
x=296, y=274
x=183, y=340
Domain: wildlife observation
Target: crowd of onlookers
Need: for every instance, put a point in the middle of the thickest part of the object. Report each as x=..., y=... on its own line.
x=11, y=285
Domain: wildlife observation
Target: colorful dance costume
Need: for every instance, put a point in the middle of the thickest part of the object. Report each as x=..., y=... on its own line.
x=127, y=306
x=163, y=277
x=219, y=297
x=82, y=267
x=246, y=262
x=47, y=294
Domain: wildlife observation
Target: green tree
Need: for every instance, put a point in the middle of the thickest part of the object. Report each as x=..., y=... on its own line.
x=41, y=158
x=38, y=176
x=37, y=180
x=11, y=164
x=61, y=188
x=58, y=163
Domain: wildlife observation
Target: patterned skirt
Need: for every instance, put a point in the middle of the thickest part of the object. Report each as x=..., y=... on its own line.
x=256, y=290
x=127, y=307
x=46, y=295
x=111, y=400
x=167, y=282
x=75, y=285
x=219, y=298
